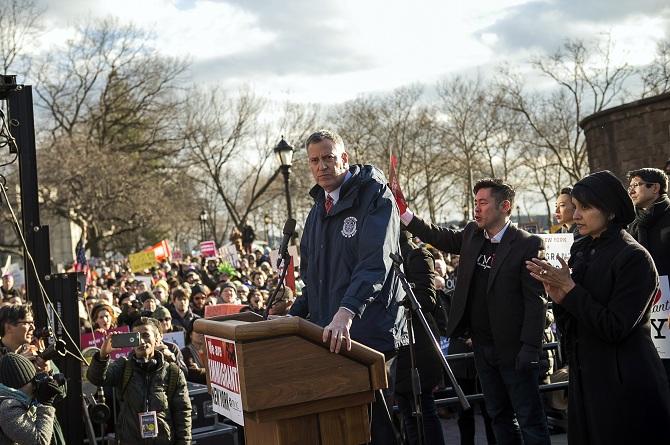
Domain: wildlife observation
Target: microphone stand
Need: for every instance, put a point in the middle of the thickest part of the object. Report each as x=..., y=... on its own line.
x=413, y=305
x=280, y=284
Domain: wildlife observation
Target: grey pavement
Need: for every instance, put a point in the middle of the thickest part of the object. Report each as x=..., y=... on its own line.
x=452, y=436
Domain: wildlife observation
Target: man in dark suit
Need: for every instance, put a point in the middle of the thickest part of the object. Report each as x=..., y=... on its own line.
x=502, y=306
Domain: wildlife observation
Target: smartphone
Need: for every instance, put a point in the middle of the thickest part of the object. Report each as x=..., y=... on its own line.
x=125, y=340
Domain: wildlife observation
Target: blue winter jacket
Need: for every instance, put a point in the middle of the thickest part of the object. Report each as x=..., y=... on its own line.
x=344, y=260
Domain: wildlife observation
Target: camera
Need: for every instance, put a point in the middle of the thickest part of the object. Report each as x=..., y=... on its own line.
x=43, y=333
x=135, y=304
x=43, y=377
x=55, y=349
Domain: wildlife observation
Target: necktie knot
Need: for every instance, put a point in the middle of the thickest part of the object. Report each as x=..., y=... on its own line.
x=329, y=203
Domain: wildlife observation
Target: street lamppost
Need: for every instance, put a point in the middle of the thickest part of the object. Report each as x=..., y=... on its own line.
x=518, y=215
x=267, y=221
x=203, y=223
x=466, y=214
x=284, y=153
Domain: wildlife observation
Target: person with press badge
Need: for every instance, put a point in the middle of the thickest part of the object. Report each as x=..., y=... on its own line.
x=154, y=400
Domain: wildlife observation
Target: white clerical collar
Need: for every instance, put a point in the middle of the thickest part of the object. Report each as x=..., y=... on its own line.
x=335, y=194
x=498, y=236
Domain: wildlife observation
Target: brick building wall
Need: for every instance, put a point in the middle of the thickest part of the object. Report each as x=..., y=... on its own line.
x=630, y=136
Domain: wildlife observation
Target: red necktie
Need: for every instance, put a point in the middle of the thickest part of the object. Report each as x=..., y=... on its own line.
x=329, y=203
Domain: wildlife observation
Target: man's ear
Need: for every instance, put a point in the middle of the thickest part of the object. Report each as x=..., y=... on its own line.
x=506, y=206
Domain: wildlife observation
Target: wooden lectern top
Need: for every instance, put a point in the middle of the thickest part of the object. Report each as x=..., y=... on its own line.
x=284, y=362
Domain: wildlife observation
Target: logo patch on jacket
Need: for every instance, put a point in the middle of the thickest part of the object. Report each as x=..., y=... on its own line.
x=349, y=227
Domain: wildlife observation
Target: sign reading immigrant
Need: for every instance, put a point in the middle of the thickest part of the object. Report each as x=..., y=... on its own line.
x=224, y=378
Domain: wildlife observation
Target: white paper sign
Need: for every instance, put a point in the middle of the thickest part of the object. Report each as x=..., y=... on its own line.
x=557, y=245
x=660, y=331
x=176, y=338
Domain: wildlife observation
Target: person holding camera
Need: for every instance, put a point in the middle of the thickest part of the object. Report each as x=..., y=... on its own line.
x=27, y=414
x=131, y=309
x=154, y=401
x=17, y=329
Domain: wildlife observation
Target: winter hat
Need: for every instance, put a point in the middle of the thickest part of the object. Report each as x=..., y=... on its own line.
x=161, y=313
x=610, y=195
x=198, y=289
x=163, y=284
x=228, y=284
x=144, y=296
x=15, y=370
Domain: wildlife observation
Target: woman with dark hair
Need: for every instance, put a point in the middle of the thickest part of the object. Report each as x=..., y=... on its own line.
x=603, y=298
x=195, y=355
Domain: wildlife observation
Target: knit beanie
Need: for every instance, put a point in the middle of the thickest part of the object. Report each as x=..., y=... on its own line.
x=198, y=289
x=15, y=370
x=610, y=195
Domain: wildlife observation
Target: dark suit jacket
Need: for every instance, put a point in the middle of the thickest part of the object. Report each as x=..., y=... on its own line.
x=517, y=302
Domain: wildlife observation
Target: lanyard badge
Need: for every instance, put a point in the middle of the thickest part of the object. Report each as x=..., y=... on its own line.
x=149, y=424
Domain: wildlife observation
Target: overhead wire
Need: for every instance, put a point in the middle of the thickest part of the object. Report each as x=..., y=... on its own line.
x=46, y=301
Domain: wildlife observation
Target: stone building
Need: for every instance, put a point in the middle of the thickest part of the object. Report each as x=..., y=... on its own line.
x=630, y=136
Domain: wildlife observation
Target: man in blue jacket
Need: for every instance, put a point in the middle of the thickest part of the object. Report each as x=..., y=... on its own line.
x=350, y=286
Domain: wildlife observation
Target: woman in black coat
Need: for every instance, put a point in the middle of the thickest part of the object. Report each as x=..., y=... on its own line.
x=617, y=392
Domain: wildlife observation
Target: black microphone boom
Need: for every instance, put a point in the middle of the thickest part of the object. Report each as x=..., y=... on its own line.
x=289, y=229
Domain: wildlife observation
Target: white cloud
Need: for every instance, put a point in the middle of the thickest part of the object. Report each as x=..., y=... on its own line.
x=333, y=50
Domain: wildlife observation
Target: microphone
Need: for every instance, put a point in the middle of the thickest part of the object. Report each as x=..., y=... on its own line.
x=397, y=259
x=289, y=229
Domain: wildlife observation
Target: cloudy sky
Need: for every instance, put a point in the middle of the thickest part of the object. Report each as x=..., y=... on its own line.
x=329, y=51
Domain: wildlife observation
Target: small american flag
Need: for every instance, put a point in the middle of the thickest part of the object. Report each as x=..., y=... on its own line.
x=81, y=264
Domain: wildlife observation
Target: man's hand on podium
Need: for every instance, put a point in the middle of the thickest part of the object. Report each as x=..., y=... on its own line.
x=338, y=330
x=277, y=317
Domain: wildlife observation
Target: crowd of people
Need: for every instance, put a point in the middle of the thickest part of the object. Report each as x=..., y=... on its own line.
x=485, y=286
x=166, y=300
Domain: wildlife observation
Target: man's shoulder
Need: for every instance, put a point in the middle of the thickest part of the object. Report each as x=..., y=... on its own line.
x=665, y=215
x=525, y=237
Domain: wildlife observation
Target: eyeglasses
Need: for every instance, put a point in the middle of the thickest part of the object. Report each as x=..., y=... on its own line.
x=639, y=183
x=162, y=320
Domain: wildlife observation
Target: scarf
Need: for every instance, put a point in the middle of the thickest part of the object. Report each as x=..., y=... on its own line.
x=197, y=358
x=647, y=218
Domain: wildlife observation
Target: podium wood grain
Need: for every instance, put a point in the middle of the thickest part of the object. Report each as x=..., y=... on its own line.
x=294, y=390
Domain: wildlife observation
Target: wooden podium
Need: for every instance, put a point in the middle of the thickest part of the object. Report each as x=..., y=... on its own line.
x=294, y=390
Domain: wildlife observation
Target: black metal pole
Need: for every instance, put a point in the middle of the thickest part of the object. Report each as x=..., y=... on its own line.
x=22, y=127
x=416, y=308
x=286, y=170
x=61, y=288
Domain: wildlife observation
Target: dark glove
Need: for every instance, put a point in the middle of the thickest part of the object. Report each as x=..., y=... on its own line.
x=528, y=358
x=47, y=392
